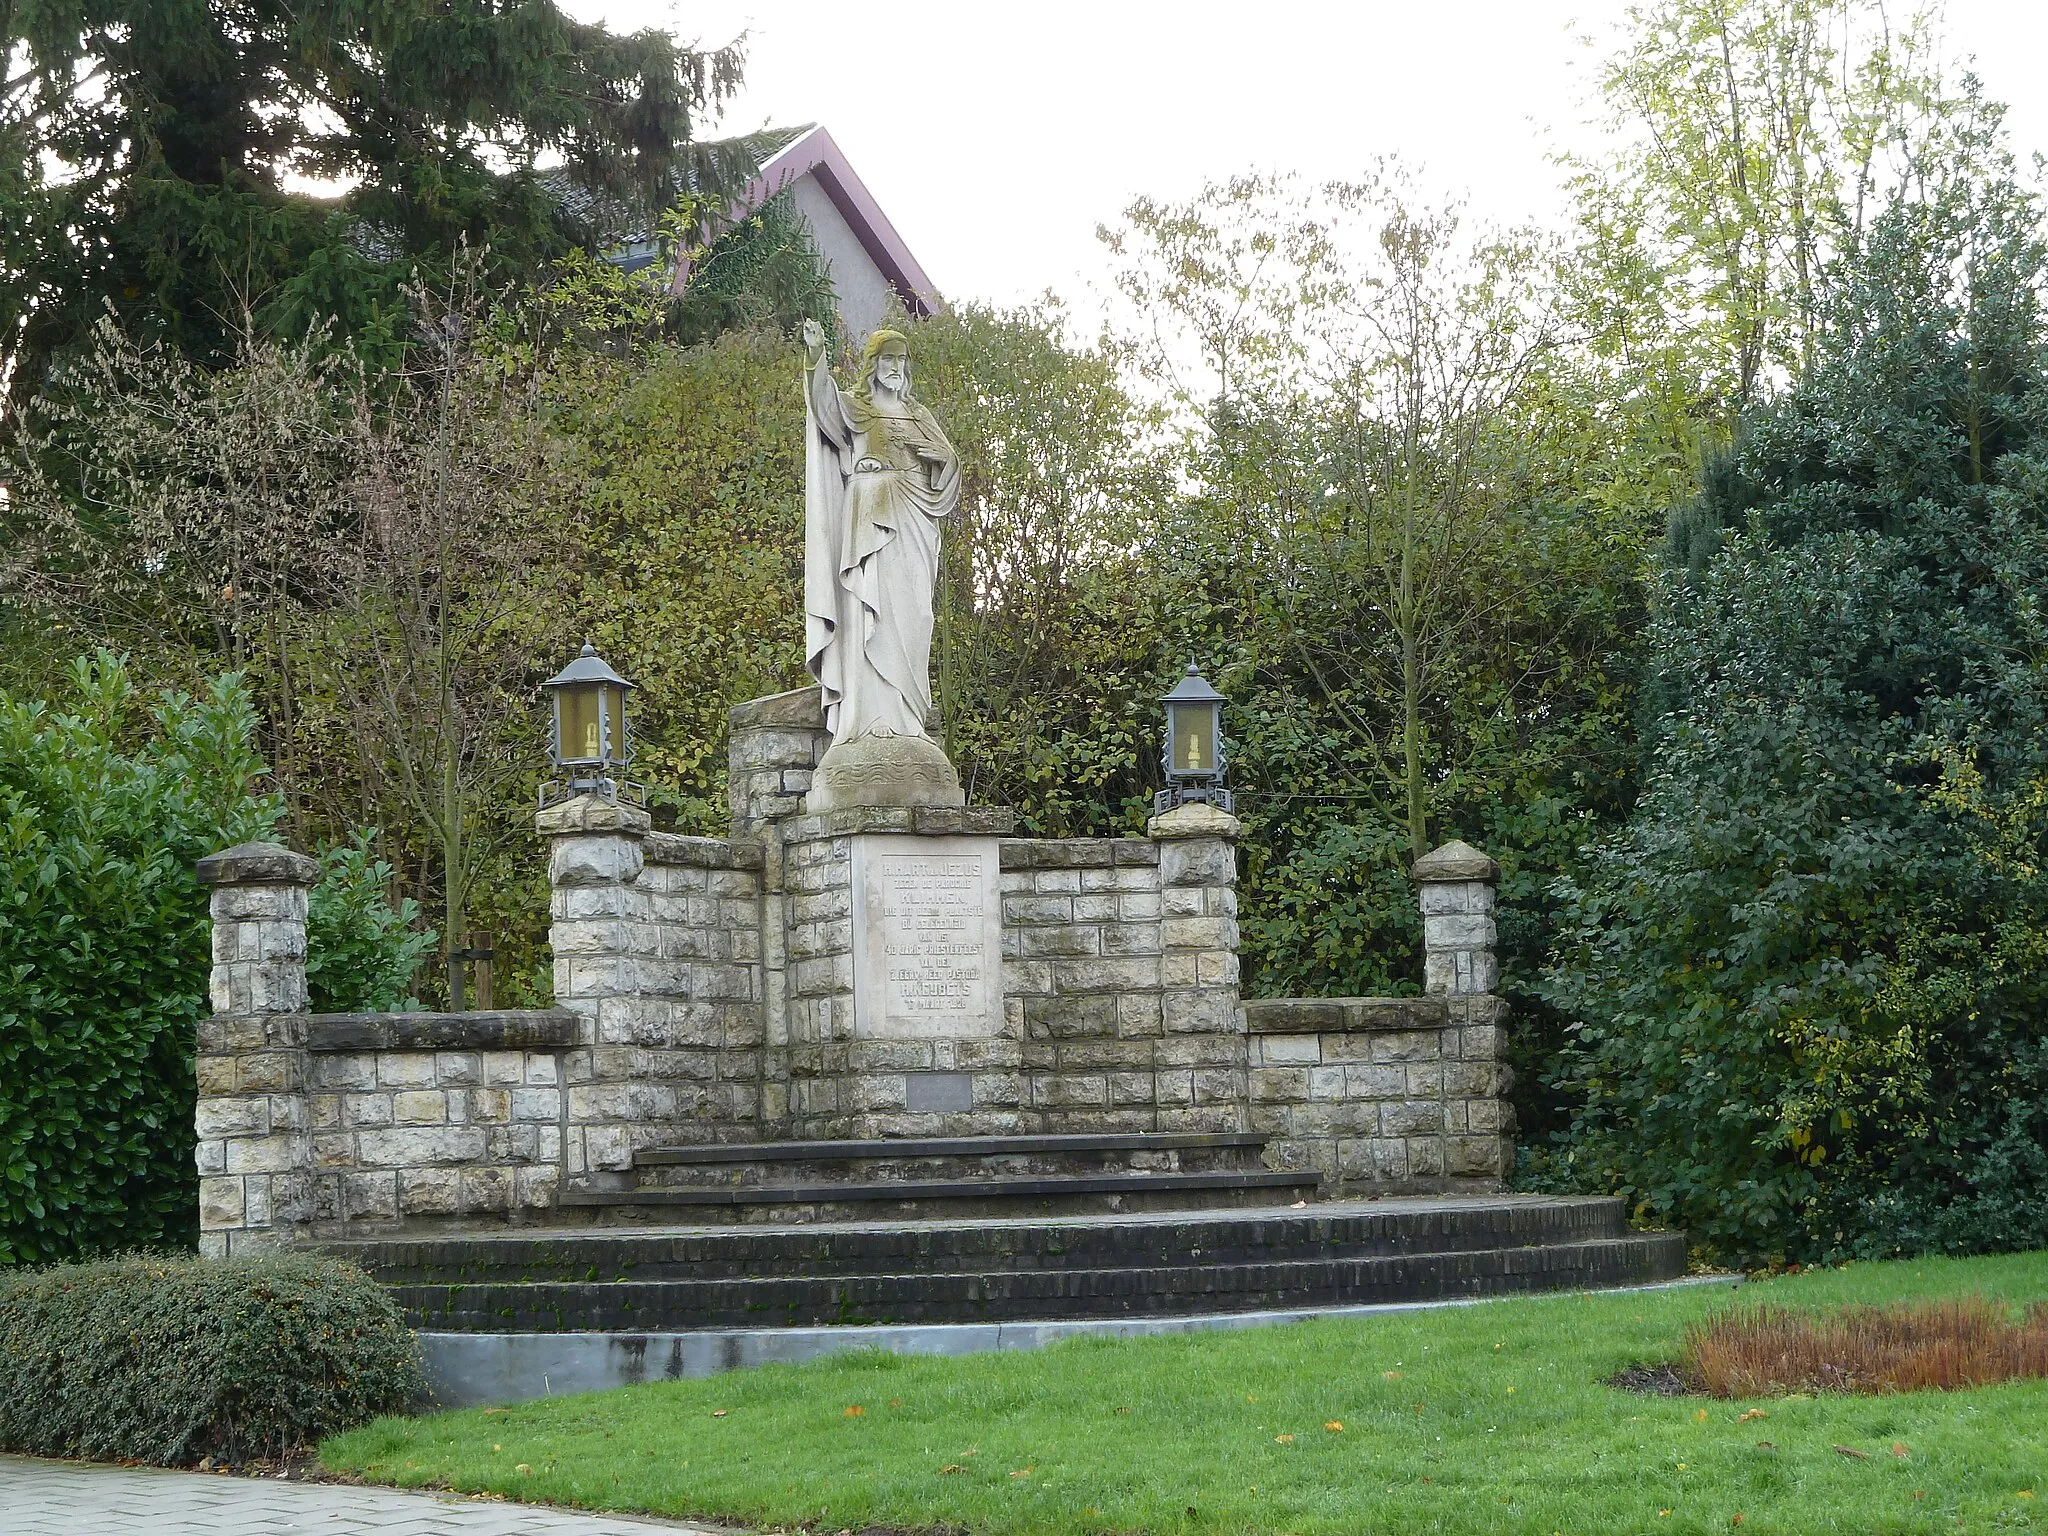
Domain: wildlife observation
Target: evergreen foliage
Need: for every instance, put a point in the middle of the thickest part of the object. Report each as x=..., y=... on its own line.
x=765, y=271
x=361, y=952
x=1808, y=971
x=149, y=145
x=106, y=803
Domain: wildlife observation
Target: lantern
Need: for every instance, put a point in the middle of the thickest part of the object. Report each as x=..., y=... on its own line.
x=590, y=743
x=1195, y=757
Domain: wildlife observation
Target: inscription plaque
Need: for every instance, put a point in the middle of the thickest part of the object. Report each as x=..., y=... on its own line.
x=927, y=938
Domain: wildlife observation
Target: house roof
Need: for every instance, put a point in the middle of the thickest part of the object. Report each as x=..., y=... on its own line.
x=792, y=154
x=811, y=151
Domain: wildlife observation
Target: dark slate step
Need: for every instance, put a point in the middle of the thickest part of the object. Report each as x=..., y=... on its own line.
x=948, y=1146
x=1347, y=1229
x=1125, y=1291
x=985, y=1194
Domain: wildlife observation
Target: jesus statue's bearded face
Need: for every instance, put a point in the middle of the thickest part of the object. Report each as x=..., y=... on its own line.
x=892, y=371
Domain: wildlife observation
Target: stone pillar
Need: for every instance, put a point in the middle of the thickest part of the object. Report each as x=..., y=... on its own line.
x=1458, y=935
x=1458, y=964
x=253, y=1151
x=601, y=933
x=1201, y=1010
x=773, y=749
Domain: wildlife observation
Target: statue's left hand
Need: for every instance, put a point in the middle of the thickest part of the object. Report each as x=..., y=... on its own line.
x=814, y=340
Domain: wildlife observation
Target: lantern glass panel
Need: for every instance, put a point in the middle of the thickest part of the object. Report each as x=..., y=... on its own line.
x=1194, y=738
x=582, y=740
x=614, y=722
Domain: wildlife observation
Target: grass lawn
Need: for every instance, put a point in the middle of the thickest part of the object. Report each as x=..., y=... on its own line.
x=1488, y=1418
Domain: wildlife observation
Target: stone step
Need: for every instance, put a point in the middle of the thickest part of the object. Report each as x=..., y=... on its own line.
x=1340, y=1229
x=945, y=1146
x=1129, y=1290
x=910, y=1199
x=941, y=1160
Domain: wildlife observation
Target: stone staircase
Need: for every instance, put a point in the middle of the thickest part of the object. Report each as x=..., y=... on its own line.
x=757, y=1275
x=938, y=1177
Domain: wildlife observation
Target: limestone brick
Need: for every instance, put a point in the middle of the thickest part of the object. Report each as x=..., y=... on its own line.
x=429, y=1191
x=419, y=1107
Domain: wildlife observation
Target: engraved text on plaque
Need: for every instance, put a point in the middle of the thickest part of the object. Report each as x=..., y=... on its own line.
x=927, y=937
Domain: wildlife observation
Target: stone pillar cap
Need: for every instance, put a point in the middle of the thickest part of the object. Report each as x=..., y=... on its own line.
x=592, y=813
x=1195, y=819
x=800, y=709
x=257, y=864
x=1455, y=861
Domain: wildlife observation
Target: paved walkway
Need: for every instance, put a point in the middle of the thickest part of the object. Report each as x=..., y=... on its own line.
x=66, y=1498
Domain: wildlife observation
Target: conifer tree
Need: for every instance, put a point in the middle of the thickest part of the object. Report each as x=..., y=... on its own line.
x=149, y=151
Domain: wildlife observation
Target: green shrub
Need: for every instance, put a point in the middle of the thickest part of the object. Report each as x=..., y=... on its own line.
x=168, y=1359
x=105, y=805
x=1806, y=979
x=361, y=952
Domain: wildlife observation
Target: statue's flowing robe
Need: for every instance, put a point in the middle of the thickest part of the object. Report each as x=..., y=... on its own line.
x=871, y=555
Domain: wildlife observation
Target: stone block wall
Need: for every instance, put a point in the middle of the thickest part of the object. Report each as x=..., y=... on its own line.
x=773, y=748
x=311, y=1123
x=658, y=948
x=705, y=992
x=1120, y=976
x=437, y=1114
x=1395, y=1095
x=1121, y=997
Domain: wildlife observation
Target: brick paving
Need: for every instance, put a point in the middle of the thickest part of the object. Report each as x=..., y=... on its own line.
x=64, y=1498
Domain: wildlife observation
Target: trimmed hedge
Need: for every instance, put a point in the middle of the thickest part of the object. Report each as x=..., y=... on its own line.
x=168, y=1359
x=106, y=801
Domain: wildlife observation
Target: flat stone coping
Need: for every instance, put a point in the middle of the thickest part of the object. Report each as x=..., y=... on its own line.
x=916, y=821
x=702, y=852
x=800, y=709
x=503, y=1029
x=1078, y=852
x=1341, y=1015
x=257, y=864
x=468, y=1370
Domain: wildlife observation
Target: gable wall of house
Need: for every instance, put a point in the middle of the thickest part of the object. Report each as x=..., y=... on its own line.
x=863, y=292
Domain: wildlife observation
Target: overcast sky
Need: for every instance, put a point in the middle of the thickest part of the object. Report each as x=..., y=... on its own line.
x=997, y=137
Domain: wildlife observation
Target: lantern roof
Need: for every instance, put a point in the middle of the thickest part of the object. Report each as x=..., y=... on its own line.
x=1193, y=689
x=588, y=667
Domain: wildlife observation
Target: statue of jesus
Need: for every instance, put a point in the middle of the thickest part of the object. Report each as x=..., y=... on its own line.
x=879, y=474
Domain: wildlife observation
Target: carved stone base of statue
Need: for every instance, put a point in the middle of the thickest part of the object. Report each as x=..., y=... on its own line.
x=884, y=770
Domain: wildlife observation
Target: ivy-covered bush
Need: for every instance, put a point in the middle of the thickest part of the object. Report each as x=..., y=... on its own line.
x=168, y=1360
x=106, y=803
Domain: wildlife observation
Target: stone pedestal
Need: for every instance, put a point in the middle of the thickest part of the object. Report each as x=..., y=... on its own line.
x=884, y=771
x=909, y=1043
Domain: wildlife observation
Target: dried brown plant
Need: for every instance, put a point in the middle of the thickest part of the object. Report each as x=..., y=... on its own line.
x=1965, y=1342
